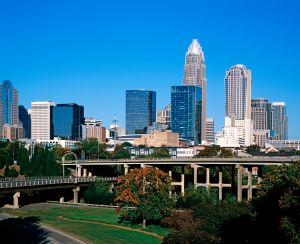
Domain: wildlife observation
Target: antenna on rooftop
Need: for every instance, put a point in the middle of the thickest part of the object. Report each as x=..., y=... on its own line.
x=115, y=121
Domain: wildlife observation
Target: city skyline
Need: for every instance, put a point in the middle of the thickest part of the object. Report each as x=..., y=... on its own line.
x=54, y=61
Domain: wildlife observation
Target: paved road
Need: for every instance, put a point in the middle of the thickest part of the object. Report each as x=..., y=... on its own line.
x=16, y=230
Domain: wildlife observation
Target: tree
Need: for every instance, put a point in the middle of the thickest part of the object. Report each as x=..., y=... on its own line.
x=147, y=190
x=253, y=149
x=215, y=151
x=99, y=192
x=277, y=207
x=93, y=149
x=120, y=152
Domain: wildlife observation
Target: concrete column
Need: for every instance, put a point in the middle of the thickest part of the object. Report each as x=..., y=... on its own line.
x=75, y=191
x=239, y=182
x=207, y=178
x=182, y=184
x=250, y=186
x=126, y=167
x=195, y=175
x=62, y=199
x=170, y=174
x=84, y=172
x=16, y=199
x=79, y=171
x=90, y=174
x=220, y=186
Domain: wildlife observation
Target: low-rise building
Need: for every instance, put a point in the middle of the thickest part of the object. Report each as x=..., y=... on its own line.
x=12, y=132
x=159, y=139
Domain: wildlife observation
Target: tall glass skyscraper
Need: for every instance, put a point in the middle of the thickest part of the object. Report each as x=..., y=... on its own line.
x=140, y=111
x=9, y=112
x=24, y=117
x=68, y=120
x=195, y=75
x=186, y=112
x=279, y=121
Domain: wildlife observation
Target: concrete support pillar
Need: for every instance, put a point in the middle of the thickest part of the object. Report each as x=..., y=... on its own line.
x=250, y=186
x=126, y=167
x=143, y=166
x=195, y=167
x=207, y=178
x=170, y=174
x=90, y=174
x=62, y=199
x=75, y=191
x=182, y=184
x=220, y=185
x=239, y=182
x=84, y=172
x=79, y=171
x=16, y=199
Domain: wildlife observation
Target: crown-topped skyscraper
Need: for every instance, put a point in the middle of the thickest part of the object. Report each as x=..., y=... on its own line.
x=195, y=75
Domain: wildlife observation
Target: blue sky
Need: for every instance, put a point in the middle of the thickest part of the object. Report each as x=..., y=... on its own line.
x=90, y=52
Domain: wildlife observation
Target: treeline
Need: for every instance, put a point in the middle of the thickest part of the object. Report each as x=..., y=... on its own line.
x=42, y=163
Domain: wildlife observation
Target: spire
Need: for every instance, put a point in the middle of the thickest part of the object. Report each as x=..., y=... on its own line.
x=195, y=48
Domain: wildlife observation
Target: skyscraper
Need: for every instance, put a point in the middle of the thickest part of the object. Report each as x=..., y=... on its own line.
x=261, y=118
x=195, y=74
x=140, y=111
x=68, y=120
x=25, y=119
x=238, y=83
x=279, y=121
x=42, y=120
x=163, y=117
x=9, y=113
x=186, y=112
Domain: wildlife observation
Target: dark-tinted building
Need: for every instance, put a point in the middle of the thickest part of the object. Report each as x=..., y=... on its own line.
x=186, y=112
x=140, y=111
x=25, y=119
x=67, y=119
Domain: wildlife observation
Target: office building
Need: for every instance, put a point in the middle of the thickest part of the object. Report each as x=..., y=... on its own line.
x=186, y=112
x=140, y=111
x=13, y=132
x=68, y=120
x=238, y=83
x=42, y=126
x=195, y=75
x=159, y=139
x=210, y=131
x=261, y=118
x=279, y=121
x=24, y=118
x=9, y=113
x=92, y=128
x=163, y=117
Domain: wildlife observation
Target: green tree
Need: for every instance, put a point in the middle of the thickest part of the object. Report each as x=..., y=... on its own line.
x=253, y=149
x=120, y=152
x=148, y=191
x=99, y=192
x=92, y=148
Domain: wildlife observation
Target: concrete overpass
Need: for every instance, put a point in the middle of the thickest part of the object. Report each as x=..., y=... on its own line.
x=17, y=185
x=243, y=168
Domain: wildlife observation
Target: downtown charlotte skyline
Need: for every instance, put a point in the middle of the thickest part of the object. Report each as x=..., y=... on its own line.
x=90, y=53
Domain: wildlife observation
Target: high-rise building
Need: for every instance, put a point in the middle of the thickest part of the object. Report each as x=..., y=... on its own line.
x=186, y=112
x=9, y=113
x=13, y=132
x=92, y=128
x=68, y=120
x=163, y=117
x=42, y=126
x=279, y=121
x=210, y=131
x=238, y=99
x=25, y=119
x=261, y=118
x=195, y=75
x=140, y=111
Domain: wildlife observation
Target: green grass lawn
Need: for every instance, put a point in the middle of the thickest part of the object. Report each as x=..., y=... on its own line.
x=92, y=232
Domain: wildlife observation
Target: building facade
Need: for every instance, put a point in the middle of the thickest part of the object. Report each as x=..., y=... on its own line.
x=42, y=126
x=186, y=112
x=9, y=99
x=238, y=84
x=13, y=132
x=210, y=131
x=261, y=118
x=279, y=121
x=195, y=75
x=159, y=139
x=68, y=120
x=163, y=117
x=24, y=118
x=140, y=111
x=92, y=128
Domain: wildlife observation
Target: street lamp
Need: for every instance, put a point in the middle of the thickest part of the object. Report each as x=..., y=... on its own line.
x=64, y=159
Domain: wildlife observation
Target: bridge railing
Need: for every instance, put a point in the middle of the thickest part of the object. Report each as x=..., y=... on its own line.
x=51, y=181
